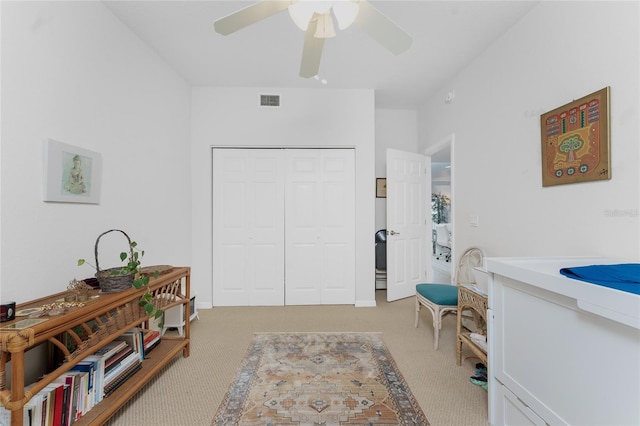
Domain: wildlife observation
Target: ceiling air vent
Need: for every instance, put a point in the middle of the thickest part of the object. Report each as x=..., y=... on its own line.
x=270, y=100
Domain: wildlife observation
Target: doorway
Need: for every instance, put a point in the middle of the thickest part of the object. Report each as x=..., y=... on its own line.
x=442, y=190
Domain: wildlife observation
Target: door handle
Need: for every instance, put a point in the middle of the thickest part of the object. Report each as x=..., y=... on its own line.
x=394, y=233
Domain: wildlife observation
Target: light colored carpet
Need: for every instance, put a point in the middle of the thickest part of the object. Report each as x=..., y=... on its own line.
x=190, y=389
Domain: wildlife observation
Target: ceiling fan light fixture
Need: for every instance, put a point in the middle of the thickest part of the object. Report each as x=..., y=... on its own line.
x=325, y=28
x=346, y=12
x=315, y=18
x=301, y=11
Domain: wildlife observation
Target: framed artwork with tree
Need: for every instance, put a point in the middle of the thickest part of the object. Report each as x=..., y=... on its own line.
x=576, y=141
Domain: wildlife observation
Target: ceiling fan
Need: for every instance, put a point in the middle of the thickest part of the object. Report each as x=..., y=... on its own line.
x=316, y=18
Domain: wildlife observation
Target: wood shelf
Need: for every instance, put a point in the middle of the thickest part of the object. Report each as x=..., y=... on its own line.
x=464, y=337
x=103, y=318
x=158, y=358
x=477, y=304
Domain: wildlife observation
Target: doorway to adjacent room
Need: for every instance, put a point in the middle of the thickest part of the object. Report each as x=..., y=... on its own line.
x=442, y=207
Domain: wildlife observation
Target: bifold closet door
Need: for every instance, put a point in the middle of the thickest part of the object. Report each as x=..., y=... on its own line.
x=248, y=227
x=283, y=227
x=320, y=226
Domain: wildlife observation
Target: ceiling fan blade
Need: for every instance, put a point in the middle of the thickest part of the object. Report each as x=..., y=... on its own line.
x=312, y=51
x=249, y=15
x=382, y=29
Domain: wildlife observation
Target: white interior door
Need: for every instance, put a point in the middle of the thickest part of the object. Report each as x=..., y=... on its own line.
x=320, y=227
x=248, y=227
x=408, y=222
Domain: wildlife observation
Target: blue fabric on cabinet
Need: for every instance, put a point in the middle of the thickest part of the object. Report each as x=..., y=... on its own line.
x=623, y=276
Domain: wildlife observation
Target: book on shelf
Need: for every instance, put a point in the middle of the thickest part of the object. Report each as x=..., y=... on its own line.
x=66, y=403
x=83, y=380
x=67, y=399
x=149, y=335
x=134, y=339
x=71, y=395
x=45, y=405
x=114, y=361
x=152, y=346
x=49, y=407
x=110, y=348
x=86, y=381
x=73, y=380
x=75, y=393
x=88, y=389
x=5, y=416
x=123, y=377
x=107, y=355
x=98, y=362
x=29, y=414
x=33, y=412
x=122, y=365
x=151, y=340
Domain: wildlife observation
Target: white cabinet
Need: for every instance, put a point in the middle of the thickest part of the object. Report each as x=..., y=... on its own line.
x=513, y=411
x=561, y=351
x=175, y=317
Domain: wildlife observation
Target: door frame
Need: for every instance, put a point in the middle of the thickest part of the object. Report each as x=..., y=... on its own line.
x=444, y=143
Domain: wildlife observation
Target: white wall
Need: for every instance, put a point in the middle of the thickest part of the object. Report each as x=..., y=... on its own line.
x=559, y=52
x=396, y=129
x=306, y=118
x=72, y=72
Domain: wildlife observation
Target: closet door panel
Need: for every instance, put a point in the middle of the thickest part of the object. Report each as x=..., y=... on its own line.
x=320, y=230
x=303, y=282
x=338, y=224
x=302, y=240
x=248, y=227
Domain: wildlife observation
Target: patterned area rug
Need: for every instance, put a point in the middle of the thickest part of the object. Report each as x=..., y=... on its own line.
x=319, y=379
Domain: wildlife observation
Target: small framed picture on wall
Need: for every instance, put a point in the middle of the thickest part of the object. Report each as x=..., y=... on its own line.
x=71, y=174
x=381, y=188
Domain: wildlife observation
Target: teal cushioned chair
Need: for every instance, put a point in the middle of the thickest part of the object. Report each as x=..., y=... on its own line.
x=442, y=299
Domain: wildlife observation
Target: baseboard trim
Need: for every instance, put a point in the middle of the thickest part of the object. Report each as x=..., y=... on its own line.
x=366, y=303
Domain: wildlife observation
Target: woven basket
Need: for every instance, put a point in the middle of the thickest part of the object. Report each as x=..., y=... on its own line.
x=120, y=323
x=112, y=327
x=110, y=282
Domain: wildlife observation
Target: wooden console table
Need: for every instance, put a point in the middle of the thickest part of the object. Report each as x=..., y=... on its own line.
x=469, y=300
x=103, y=318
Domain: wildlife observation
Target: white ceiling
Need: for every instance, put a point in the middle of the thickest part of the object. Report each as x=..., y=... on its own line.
x=447, y=35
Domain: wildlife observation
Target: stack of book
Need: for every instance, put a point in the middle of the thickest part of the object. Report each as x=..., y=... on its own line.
x=123, y=364
x=97, y=376
x=151, y=339
x=62, y=402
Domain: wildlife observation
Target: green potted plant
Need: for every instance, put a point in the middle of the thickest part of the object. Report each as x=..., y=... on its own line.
x=126, y=276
